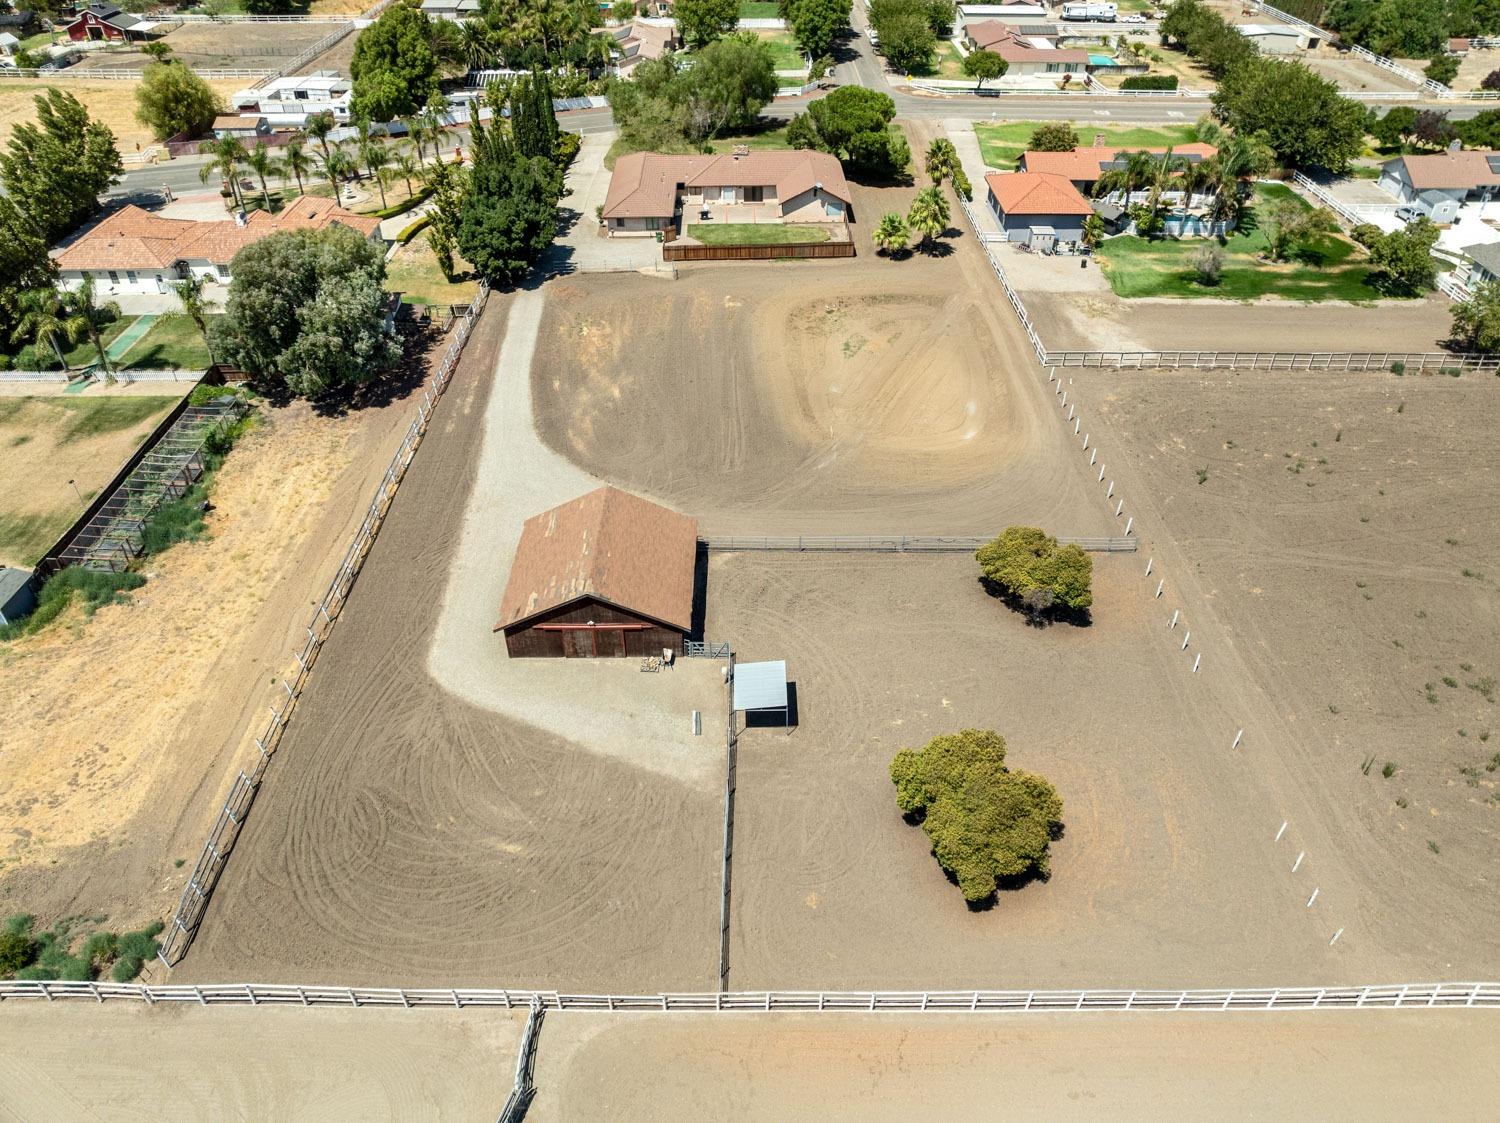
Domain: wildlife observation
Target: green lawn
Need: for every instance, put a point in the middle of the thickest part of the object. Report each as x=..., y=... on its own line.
x=170, y=344
x=946, y=63
x=91, y=417
x=785, y=53
x=770, y=137
x=1002, y=144
x=413, y=271
x=755, y=234
x=759, y=9
x=32, y=357
x=1330, y=266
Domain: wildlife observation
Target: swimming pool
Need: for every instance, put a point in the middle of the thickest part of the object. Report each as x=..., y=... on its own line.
x=1102, y=60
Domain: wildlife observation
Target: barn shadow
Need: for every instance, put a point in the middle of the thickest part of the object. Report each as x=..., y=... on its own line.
x=698, y=621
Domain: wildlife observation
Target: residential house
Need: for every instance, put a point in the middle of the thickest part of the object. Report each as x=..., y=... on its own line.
x=291, y=101
x=456, y=10
x=20, y=22
x=100, y=22
x=132, y=250
x=1484, y=262
x=648, y=190
x=247, y=128
x=1279, y=38
x=9, y=44
x=637, y=42
x=1440, y=183
x=1028, y=56
x=1083, y=167
x=1037, y=208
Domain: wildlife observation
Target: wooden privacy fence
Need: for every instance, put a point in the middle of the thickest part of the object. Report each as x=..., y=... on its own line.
x=1396, y=996
x=897, y=543
x=194, y=900
x=675, y=251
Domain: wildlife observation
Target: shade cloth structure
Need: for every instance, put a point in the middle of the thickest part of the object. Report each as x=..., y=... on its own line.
x=761, y=687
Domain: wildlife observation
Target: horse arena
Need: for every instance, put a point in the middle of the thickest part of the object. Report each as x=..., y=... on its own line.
x=437, y=816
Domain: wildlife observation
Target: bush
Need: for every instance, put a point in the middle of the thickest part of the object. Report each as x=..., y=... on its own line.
x=1150, y=82
x=568, y=145
x=1366, y=234
x=421, y=196
x=92, y=587
x=410, y=232
x=1491, y=81
x=1442, y=69
x=1058, y=136
x=986, y=822
x=50, y=955
x=1208, y=264
x=1028, y=564
x=16, y=952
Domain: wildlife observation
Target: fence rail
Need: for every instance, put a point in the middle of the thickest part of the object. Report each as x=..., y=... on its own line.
x=523, y=1090
x=1395, y=996
x=674, y=251
x=1274, y=360
x=705, y=650
x=892, y=543
x=205, y=876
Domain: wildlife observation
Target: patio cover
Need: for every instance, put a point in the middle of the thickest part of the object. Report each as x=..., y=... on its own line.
x=760, y=686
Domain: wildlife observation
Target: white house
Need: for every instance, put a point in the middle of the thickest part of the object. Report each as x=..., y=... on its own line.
x=1440, y=183
x=648, y=190
x=291, y=101
x=1278, y=38
x=456, y=10
x=134, y=251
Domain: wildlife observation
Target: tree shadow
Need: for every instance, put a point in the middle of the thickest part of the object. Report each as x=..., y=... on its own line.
x=1044, y=618
x=419, y=344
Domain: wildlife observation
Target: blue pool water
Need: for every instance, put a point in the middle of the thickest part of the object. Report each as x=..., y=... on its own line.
x=1101, y=60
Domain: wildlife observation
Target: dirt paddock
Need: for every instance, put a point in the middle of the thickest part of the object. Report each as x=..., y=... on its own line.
x=219, y=46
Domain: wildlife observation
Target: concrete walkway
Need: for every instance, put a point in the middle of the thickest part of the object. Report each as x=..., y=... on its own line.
x=961, y=133
x=603, y=705
x=581, y=247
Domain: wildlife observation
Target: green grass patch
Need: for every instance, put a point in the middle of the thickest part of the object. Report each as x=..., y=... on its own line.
x=785, y=53
x=1329, y=267
x=759, y=9
x=91, y=588
x=92, y=417
x=414, y=272
x=946, y=62
x=34, y=356
x=1001, y=144
x=755, y=234
x=171, y=343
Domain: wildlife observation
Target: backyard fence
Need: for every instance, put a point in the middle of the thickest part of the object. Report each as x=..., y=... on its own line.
x=114, y=530
x=674, y=251
x=1398, y=996
x=200, y=886
x=1410, y=362
x=895, y=543
x=524, y=1089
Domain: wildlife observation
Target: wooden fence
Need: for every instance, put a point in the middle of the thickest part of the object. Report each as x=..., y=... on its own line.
x=675, y=251
x=1396, y=996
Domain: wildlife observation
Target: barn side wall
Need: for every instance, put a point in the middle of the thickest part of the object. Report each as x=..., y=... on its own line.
x=528, y=641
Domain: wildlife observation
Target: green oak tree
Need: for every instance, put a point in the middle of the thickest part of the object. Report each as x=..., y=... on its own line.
x=1028, y=564
x=703, y=21
x=395, y=68
x=171, y=99
x=984, y=66
x=56, y=167
x=1300, y=116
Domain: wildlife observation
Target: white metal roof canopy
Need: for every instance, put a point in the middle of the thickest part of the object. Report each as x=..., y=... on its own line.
x=760, y=686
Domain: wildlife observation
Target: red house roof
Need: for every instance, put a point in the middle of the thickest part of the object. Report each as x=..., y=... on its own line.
x=1023, y=193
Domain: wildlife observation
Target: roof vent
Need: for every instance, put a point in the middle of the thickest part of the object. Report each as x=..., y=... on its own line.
x=241, y=218
x=741, y=150
x=1455, y=145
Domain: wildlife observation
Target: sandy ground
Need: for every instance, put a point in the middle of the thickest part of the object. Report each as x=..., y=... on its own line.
x=37, y=461
x=109, y=101
x=1327, y=547
x=1353, y=74
x=213, y=46
x=405, y=834
x=1390, y=1065
x=134, y=1062
x=1474, y=67
x=338, y=56
x=1102, y=321
x=124, y=731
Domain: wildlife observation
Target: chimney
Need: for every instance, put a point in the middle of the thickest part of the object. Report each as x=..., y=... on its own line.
x=1099, y=139
x=741, y=150
x=1455, y=145
x=241, y=218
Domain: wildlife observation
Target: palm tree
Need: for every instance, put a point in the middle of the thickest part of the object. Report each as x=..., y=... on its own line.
x=942, y=159
x=403, y=165
x=225, y=157
x=1131, y=176
x=295, y=163
x=890, y=234
x=318, y=126
x=260, y=161
x=190, y=295
x=929, y=214
x=432, y=121
x=474, y=39
x=91, y=318
x=364, y=139
x=43, y=319
x=377, y=159
x=339, y=163
x=1163, y=170
x=1093, y=231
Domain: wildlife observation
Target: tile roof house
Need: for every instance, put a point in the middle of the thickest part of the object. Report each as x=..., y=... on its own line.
x=1084, y=166
x=1037, y=206
x=133, y=251
x=606, y=574
x=648, y=189
x=1441, y=183
x=1027, y=55
x=639, y=42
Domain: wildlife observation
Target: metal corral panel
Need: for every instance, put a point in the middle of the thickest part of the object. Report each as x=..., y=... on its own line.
x=760, y=686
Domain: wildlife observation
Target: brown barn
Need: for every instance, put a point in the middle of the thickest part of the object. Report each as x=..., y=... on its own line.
x=607, y=574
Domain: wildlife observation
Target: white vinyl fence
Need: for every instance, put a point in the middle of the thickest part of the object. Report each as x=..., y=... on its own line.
x=1396, y=996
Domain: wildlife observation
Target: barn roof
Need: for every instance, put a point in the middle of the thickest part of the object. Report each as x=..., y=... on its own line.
x=609, y=544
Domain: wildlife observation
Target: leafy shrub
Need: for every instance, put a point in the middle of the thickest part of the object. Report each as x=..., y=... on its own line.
x=92, y=587
x=1150, y=82
x=409, y=232
x=16, y=951
x=1491, y=81
x=1442, y=69
x=50, y=954
x=1056, y=136
x=986, y=822
x=203, y=394
x=1208, y=265
x=1027, y=563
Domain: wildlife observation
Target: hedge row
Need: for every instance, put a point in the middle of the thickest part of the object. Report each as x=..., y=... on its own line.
x=1150, y=82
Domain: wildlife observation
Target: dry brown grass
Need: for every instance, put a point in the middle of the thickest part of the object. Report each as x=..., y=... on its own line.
x=112, y=102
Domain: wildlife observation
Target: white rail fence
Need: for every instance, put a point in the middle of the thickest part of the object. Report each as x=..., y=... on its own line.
x=1352, y=213
x=1395, y=996
x=892, y=543
x=225, y=831
x=120, y=74
x=299, y=61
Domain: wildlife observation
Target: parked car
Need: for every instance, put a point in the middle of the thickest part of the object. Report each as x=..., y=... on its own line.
x=1409, y=214
x=1134, y=17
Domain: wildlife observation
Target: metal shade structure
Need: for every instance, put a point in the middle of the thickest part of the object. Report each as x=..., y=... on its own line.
x=761, y=687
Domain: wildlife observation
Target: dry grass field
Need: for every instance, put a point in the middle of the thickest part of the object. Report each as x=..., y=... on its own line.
x=107, y=100
x=123, y=731
x=1343, y=543
x=46, y=441
x=222, y=46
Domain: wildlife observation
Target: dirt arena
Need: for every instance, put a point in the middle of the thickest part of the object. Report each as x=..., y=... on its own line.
x=219, y=46
x=1394, y=1064
x=135, y=1062
x=1342, y=546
